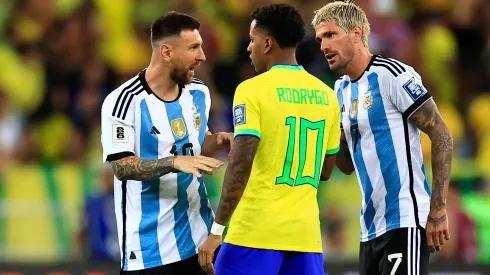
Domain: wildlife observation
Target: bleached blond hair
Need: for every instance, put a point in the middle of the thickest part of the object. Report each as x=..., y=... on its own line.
x=346, y=15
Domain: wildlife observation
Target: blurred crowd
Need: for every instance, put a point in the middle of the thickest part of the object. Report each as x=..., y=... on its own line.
x=60, y=58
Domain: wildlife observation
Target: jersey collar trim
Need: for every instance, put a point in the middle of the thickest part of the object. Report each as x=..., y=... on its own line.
x=147, y=88
x=288, y=67
x=367, y=68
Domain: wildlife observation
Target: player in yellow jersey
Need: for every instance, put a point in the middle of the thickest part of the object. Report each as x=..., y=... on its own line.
x=287, y=132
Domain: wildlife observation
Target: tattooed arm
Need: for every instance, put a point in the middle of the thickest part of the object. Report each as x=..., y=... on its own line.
x=428, y=119
x=236, y=177
x=134, y=168
x=344, y=159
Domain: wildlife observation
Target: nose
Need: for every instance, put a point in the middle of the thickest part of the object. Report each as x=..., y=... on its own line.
x=324, y=45
x=201, y=56
x=249, y=48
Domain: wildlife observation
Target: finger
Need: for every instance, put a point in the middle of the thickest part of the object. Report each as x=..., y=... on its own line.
x=446, y=234
x=441, y=239
x=204, y=167
x=200, y=258
x=430, y=242
x=232, y=142
x=435, y=235
x=210, y=173
x=209, y=262
x=210, y=161
x=195, y=172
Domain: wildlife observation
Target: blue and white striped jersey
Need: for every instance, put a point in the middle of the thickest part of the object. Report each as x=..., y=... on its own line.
x=385, y=146
x=163, y=220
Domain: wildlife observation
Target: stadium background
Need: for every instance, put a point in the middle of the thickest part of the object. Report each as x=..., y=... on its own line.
x=60, y=58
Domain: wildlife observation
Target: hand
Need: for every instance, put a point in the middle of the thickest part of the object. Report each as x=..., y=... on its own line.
x=206, y=253
x=437, y=226
x=192, y=164
x=225, y=138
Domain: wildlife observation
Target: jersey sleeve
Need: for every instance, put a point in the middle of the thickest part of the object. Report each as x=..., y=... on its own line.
x=118, y=134
x=408, y=93
x=333, y=142
x=246, y=112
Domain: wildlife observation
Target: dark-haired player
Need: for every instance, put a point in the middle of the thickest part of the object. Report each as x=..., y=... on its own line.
x=287, y=131
x=154, y=133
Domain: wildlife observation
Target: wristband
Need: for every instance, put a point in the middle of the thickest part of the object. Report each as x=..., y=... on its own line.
x=217, y=229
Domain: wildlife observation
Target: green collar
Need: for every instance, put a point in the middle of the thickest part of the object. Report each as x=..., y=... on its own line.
x=288, y=67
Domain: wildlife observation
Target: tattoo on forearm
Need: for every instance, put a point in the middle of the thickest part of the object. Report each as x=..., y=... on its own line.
x=428, y=119
x=236, y=177
x=134, y=168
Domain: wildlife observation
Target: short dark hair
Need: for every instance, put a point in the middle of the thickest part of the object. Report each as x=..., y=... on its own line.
x=172, y=23
x=282, y=21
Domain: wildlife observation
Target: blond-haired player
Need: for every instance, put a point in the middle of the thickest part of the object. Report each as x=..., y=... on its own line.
x=384, y=106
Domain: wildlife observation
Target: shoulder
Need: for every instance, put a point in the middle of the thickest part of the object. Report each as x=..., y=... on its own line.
x=393, y=71
x=341, y=81
x=198, y=85
x=123, y=94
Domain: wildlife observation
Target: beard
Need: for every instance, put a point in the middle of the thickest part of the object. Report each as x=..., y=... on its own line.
x=180, y=76
x=340, y=67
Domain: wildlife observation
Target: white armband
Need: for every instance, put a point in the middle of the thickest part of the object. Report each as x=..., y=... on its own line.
x=217, y=229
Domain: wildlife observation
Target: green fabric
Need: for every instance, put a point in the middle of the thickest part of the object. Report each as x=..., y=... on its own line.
x=247, y=132
x=61, y=234
x=288, y=67
x=477, y=205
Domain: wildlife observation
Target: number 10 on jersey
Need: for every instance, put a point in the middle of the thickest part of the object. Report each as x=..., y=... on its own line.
x=304, y=127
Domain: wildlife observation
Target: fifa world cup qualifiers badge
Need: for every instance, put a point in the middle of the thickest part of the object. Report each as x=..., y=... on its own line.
x=120, y=134
x=239, y=114
x=413, y=89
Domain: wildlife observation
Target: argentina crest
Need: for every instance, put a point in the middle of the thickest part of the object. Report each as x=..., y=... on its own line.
x=368, y=101
x=178, y=127
x=197, y=117
x=353, y=108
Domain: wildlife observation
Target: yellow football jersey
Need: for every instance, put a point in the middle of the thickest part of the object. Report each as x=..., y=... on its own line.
x=297, y=119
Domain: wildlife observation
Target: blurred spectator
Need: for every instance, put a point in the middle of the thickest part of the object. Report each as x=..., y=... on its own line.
x=462, y=247
x=98, y=238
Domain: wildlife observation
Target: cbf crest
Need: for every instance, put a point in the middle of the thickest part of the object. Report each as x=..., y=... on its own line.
x=353, y=108
x=197, y=117
x=178, y=127
x=368, y=101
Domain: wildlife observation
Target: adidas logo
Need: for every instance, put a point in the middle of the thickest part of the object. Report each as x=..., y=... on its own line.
x=154, y=131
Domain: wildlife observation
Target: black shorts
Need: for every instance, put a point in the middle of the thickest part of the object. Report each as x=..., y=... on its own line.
x=188, y=266
x=401, y=251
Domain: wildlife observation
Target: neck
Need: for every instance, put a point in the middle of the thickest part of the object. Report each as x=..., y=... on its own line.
x=158, y=78
x=359, y=63
x=286, y=56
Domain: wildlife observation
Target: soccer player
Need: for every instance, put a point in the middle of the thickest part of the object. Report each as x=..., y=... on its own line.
x=287, y=132
x=384, y=106
x=154, y=134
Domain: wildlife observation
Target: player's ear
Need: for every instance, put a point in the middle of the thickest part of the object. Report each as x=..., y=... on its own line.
x=357, y=34
x=268, y=44
x=166, y=51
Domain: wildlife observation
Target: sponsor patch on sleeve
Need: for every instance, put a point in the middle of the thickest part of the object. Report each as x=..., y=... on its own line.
x=413, y=89
x=120, y=134
x=239, y=115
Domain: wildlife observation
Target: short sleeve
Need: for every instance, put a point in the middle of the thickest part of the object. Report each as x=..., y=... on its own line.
x=333, y=142
x=118, y=134
x=246, y=113
x=408, y=93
